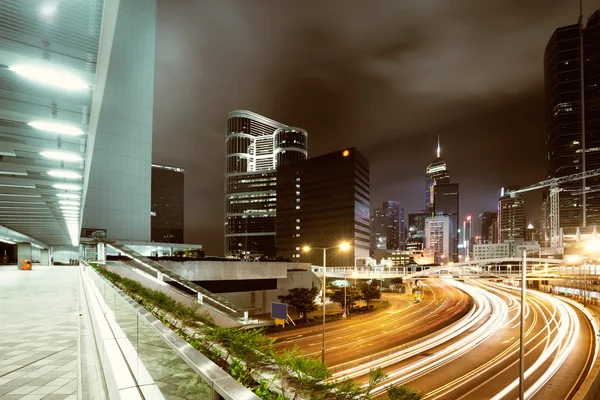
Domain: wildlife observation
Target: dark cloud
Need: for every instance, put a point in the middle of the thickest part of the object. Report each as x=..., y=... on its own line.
x=384, y=76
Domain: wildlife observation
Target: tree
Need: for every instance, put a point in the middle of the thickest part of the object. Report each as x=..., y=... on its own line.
x=370, y=292
x=302, y=300
x=353, y=294
x=403, y=393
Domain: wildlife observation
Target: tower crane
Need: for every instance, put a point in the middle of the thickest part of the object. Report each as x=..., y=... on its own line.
x=553, y=184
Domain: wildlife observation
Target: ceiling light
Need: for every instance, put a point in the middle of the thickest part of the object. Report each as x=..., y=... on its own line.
x=54, y=127
x=61, y=173
x=66, y=186
x=68, y=196
x=50, y=76
x=69, y=202
x=61, y=155
x=6, y=241
x=13, y=173
x=17, y=186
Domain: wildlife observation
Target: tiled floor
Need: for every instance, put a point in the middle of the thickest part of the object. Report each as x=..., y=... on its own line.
x=39, y=332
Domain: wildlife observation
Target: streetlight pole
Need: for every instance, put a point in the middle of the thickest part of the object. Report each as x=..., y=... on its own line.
x=323, y=299
x=522, y=333
x=345, y=304
x=342, y=246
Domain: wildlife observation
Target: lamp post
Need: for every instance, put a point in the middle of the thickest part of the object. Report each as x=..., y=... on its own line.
x=342, y=246
x=522, y=335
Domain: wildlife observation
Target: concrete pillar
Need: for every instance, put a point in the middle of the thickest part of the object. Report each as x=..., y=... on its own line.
x=23, y=252
x=44, y=258
x=409, y=286
x=101, y=252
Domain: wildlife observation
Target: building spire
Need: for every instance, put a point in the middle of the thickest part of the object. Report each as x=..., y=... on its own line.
x=438, y=148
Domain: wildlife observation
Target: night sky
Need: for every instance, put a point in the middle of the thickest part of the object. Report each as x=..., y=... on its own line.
x=384, y=76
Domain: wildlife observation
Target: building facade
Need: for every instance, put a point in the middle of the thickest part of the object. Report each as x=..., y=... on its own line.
x=491, y=250
x=485, y=220
x=435, y=174
x=437, y=237
x=255, y=147
x=167, y=204
x=511, y=215
x=322, y=202
x=446, y=203
x=387, y=226
x=565, y=142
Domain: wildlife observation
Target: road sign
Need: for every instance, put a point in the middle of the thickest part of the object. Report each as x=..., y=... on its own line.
x=279, y=310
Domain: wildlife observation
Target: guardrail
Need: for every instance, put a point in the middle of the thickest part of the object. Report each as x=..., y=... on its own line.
x=159, y=349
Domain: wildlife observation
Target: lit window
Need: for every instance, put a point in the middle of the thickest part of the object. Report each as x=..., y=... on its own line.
x=297, y=179
x=297, y=207
x=297, y=200
x=297, y=248
x=297, y=193
x=297, y=227
x=297, y=221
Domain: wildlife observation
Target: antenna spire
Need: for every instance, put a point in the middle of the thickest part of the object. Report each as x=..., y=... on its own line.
x=438, y=148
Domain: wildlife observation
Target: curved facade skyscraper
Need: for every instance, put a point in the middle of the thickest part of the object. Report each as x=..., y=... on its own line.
x=255, y=147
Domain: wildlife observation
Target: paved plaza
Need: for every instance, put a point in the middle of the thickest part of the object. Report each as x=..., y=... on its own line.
x=46, y=350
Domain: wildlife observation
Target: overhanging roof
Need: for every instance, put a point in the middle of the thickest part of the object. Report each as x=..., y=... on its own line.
x=45, y=44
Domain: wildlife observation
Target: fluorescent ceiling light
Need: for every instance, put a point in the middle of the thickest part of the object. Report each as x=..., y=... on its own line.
x=68, y=196
x=13, y=173
x=61, y=173
x=20, y=195
x=69, y=202
x=50, y=76
x=69, y=207
x=8, y=153
x=53, y=127
x=6, y=241
x=17, y=186
x=66, y=186
x=61, y=155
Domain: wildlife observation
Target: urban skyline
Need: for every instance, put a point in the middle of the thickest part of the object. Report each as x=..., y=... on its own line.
x=471, y=109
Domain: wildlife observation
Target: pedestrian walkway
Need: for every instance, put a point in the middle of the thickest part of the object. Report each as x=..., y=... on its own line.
x=46, y=348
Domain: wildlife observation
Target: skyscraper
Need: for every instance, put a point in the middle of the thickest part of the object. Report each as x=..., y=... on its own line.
x=255, y=147
x=167, y=204
x=437, y=237
x=511, y=215
x=416, y=230
x=321, y=202
x=565, y=141
x=486, y=219
x=446, y=203
x=385, y=226
x=435, y=174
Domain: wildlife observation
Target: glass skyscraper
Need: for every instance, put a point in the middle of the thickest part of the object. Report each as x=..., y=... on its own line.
x=564, y=140
x=435, y=174
x=255, y=147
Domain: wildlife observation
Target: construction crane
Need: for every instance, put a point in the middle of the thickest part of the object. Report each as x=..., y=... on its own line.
x=553, y=184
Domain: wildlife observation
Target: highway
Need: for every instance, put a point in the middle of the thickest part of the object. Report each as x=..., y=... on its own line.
x=473, y=357
x=364, y=335
x=482, y=362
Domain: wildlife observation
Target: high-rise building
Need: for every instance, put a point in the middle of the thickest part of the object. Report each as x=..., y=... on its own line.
x=467, y=234
x=511, y=215
x=386, y=226
x=167, y=204
x=564, y=139
x=485, y=220
x=416, y=230
x=322, y=202
x=256, y=146
x=437, y=237
x=435, y=174
x=446, y=203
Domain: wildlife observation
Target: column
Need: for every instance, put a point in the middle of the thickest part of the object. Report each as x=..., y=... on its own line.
x=44, y=257
x=23, y=252
x=101, y=252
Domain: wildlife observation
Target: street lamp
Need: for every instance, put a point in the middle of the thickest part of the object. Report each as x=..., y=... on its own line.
x=343, y=246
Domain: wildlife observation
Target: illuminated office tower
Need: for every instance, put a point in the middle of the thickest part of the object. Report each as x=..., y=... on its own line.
x=255, y=147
